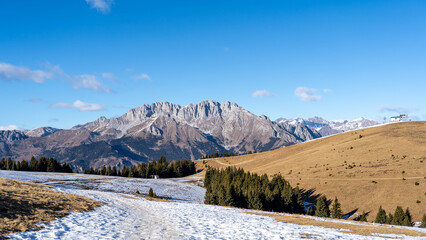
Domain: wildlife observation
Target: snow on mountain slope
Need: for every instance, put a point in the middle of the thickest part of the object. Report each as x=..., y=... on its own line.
x=325, y=127
x=129, y=217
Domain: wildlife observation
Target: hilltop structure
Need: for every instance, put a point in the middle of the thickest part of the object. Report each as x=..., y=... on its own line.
x=399, y=118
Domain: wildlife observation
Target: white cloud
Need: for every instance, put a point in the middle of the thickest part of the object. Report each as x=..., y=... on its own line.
x=87, y=81
x=91, y=82
x=262, y=93
x=143, y=76
x=34, y=99
x=307, y=94
x=80, y=105
x=396, y=109
x=55, y=69
x=11, y=72
x=10, y=127
x=103, y=6
x=326, y=90
x=110, y=77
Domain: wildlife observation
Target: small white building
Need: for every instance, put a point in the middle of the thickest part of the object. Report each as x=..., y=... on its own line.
x=399, y=118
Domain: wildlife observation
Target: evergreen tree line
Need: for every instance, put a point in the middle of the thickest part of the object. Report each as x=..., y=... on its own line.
x=225, y=154
x=43, y=164
x=234, y=187
x=218, y=155
x=398, y=218
x=160, y=167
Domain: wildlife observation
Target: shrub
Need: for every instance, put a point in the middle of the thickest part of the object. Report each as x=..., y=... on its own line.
x=151, y=193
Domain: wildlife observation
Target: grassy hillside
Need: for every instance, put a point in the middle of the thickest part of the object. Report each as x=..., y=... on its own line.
x=384, y=165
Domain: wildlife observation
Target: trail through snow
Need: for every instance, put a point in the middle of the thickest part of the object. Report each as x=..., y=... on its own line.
x=127, y=216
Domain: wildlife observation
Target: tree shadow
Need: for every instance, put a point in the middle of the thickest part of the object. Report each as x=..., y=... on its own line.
x=308, y=195
x=12, y=208
x=359, y=217
x=349, y=214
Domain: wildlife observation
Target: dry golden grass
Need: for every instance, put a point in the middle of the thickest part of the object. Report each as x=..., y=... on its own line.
x=23, y=205
x=157, y=199
x=366, y=229
x=364, y=169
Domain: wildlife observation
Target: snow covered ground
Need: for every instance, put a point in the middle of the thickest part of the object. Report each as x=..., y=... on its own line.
x=127, y=216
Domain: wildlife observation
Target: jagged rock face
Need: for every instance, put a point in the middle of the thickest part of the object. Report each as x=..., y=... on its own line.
x=149, y=131
x=41, y=132
x=230, y=125
x=325, y=127
x=8, y=136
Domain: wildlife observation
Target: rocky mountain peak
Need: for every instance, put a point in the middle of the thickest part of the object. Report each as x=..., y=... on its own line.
x=162, y=128
x=41, y=132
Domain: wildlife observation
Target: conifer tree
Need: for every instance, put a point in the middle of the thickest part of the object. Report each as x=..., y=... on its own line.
x=363, y=217
x=311, y=211
x=406, y=222
x=254, y=201
x=322, y=209
x=14, y=167
x=381, y=216
x=336, y=212
x=230, y=196
x=24, y=166
x=409, y=218
x=33, y=164
x=299, y=207
x=398, y=217
x=9, y=164
x=423, y=224
x=390, y=219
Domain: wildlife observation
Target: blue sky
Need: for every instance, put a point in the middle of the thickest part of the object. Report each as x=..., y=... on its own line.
x=64, y=63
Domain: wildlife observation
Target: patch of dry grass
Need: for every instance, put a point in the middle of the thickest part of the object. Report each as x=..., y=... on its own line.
x=23, y=205
x=364, y=169
x=366, y=229
x=157, y=199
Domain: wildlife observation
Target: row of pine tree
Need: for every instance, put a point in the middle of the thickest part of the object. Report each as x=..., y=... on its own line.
x=234, y=187
x=398, y=218
x=225, y=154
x=42, y=164
x=160, y=167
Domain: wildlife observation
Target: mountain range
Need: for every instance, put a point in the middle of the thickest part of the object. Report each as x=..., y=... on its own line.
x=165, y=129
x=325, y=127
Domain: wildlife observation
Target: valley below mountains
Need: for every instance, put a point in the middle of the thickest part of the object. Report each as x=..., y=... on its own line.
x=164, y=129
